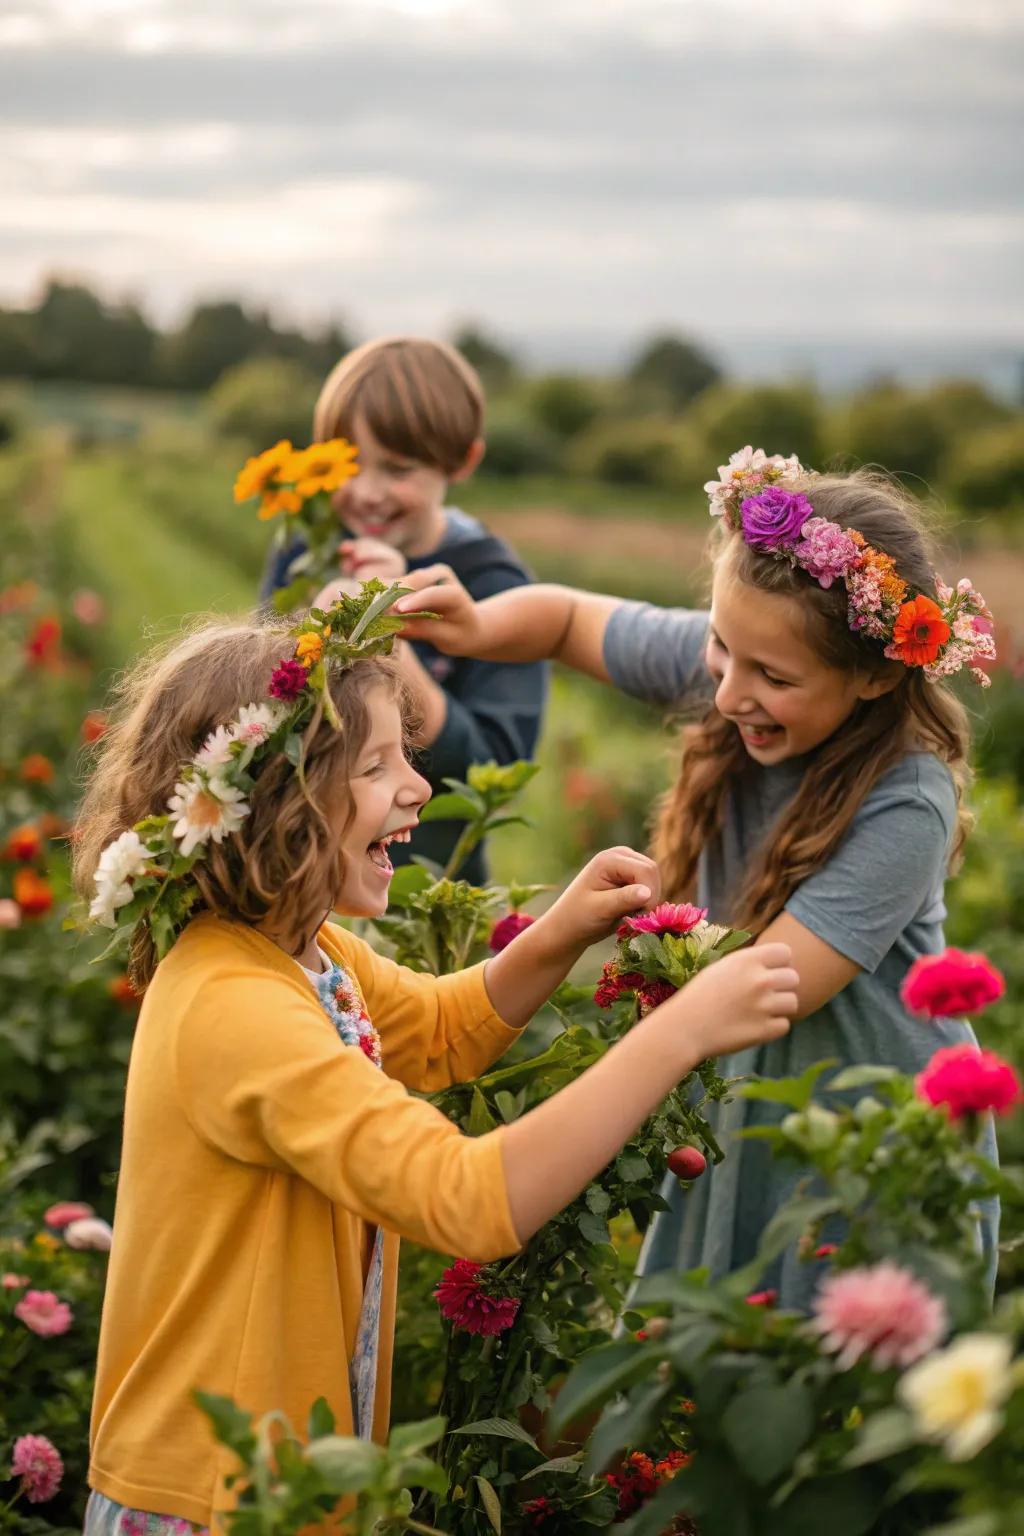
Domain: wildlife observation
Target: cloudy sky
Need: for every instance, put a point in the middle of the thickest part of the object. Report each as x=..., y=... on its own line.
x=571, y=171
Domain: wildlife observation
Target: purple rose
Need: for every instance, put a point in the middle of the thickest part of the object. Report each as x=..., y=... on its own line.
x=774, y=518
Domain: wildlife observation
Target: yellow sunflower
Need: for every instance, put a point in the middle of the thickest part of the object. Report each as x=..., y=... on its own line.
x=259, y=473
x=322, y=467
x=279, y=501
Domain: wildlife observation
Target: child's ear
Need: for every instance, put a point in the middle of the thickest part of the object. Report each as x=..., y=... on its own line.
x=477, y=449
x=874, y=684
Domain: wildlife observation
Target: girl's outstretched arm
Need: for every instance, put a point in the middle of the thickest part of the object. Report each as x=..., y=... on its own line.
x=532, y=623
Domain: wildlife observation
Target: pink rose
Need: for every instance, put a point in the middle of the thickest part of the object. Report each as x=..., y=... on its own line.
x=66, y=1211
x=44, y=1313
x=940, y=986
x=965, y=1080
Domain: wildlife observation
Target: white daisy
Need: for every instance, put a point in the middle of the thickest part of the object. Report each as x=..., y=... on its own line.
x=121, y=861
x=256, y=722
x=203, y=807
x=215, y=751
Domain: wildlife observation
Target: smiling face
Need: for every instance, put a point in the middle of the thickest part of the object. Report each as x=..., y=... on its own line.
x=393, y=498
x=782, y=697
x=387, y=794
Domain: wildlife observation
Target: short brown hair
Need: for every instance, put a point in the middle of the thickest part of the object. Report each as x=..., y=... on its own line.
x=284, y=861
x=419, y=398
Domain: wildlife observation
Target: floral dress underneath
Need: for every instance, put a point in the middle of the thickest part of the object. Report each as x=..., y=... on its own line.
x=343, y=1005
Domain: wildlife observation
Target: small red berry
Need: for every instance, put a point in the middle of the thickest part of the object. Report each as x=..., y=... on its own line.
x=687, y=1162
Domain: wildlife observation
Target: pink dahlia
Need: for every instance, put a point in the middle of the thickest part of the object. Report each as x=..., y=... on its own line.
x=966, y=1080
x=37, y=1462
x=467, y=1305
x=667, y=917
x=939, y=986
x=66, y=1211
x=44, y=1313
x=508, y=928
x=882, y=1311
x=288, y=680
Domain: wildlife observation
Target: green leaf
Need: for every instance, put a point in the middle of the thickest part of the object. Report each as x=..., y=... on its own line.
x=860, y=1077
x=231, y=1425
x=345, y=1463
x=789, y=1224
x=508, y=1105
x=598, y=1199
x=321, y=1420
x=490, y=1502
x=846, y=1505
x=593, y=1229
x=506, y=1429
x=765, y=1427
x=797, y=1092
x=408, y=1438
x=406, y=881
x=885, y=1434
x=599, y=1374
x=623, y=1423
x=450, y=808
x=480, y=1118
x=556, y=1465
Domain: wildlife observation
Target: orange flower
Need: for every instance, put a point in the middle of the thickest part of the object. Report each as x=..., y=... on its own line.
x=36, y=769
x=259, y=473
x=322, y=467
x=22, y=595
x=308, y=649
x=33, y=894
x=920, y=632
x=42, y=648
x=93, y=726
x=122, y=991
x=278, y=501
x=24, y=844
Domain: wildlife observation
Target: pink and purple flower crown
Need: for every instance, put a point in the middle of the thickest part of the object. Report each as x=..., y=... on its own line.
x=765, y=499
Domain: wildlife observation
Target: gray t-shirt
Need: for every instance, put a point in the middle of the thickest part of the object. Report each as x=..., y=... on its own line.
x=878, y=900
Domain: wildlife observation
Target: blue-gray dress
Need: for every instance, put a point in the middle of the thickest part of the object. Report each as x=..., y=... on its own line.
x=878, y=900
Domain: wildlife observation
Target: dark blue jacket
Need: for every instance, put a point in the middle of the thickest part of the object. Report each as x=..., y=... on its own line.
x=494, y=708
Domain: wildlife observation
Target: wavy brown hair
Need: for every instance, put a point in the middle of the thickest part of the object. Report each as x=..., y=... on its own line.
x=284, y=863
x=845, y=768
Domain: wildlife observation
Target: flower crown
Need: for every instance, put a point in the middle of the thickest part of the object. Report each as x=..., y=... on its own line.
x=756, y=496
x=146, y=874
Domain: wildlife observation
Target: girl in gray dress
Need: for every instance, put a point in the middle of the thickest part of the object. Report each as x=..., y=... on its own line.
x=819, y=799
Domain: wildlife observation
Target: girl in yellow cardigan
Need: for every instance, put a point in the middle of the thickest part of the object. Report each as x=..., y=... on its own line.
x=273, y=1153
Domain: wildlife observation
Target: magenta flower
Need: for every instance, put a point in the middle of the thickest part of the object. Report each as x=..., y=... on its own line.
x=774, y=518
x=44, y=1313
x=965, y=1080
x=939, y=986
x=825, y=551
x=508, y=928
x=667, y=917
x=67, y=1211
x=880, y=1310
x=652, y=994
x=766, y=1298
x=37, y=1462
x=614, y=982
x=288, y=680
x=467, y=1304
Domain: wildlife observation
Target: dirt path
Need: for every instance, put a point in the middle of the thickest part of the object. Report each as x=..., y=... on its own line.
x=999, y=574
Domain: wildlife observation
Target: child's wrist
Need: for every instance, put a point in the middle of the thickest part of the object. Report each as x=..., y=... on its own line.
x=550, y=942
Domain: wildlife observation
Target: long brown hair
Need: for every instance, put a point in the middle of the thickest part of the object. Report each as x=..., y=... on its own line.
x=285, y=862
x=846, y=767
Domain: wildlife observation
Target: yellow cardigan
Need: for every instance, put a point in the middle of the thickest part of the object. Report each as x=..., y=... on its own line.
x=259, y=1154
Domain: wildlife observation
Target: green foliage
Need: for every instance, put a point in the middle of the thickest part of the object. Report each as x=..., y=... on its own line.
x=898, y=429
x=495, y=364
x=518, y=444
x=262, y=400
x=780, y=418
x=651, y=450
x=565, y=403
x=985, y=471
x=674, y=367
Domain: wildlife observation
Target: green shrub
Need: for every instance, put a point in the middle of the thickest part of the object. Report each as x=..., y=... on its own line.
x=565, y=403
x=903, y=431
x=263, y=400
x=985, y=471
x=780, y=418
x=651, y=450
x=517, y=445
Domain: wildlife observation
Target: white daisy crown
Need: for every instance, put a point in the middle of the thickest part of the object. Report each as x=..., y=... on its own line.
x=146, y=874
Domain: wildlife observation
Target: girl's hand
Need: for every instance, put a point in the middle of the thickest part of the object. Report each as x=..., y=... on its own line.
x=458, y=630
x=365, y=558
x=746, y=998
x=614, y=883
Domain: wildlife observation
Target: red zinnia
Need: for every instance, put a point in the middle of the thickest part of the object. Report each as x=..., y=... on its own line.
x=508, y=928
x=467, y=1305
x=766, y=1298
x=93, y=726
x=966, y=1080
x=614, y=982
x=653, y=993
x=635, y=1482
x=539, y=1512
x=669, y=1465
x=667, y=917
x=36, y=769
x=940, y=986
x=920, y=632
x=288, y=680
x=24, y=844
x=42, y=648
x=33, y=894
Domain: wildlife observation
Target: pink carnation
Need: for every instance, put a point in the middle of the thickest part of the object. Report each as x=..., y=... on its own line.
x=967, y=1081
x=37, y=1462
x=467, y=1305
x=508, y=928
x=288, y=680
x=44, y=1313
x=882, y=1311
x=940, y=986
x=667, y=917
x=825, y=551
x=66, y=1211
x=11, y=1282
